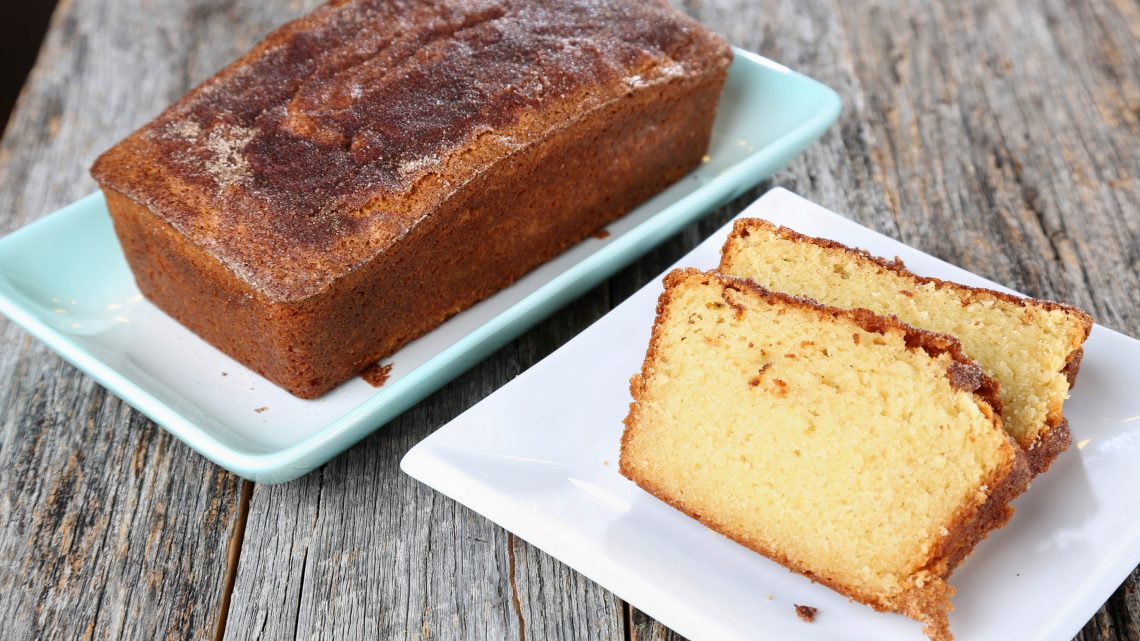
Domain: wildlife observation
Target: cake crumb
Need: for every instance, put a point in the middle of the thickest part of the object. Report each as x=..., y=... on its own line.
x=261, y=409
x=755, y=380
x=771, y=597
x=781, y=387
x=376, y=374
x=606, y=462
x=602, y=233
x=225, y=373
x=806, y=613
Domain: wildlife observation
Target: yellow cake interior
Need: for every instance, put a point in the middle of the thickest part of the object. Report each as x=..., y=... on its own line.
x=835, y=450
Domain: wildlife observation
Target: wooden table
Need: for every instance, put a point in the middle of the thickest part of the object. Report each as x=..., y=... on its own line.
x=1000, y=137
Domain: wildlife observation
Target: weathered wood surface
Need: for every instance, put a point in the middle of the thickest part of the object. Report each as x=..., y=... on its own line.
x=109, y=528
x=999, y=135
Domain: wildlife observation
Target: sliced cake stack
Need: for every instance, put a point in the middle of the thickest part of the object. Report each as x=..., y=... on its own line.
x=786, y=403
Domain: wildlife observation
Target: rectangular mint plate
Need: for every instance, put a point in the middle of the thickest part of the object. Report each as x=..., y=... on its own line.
x=64, y=279
x=540, y=455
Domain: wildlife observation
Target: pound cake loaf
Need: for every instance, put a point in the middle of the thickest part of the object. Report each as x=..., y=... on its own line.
x=849, y=447
x=1032, y=347
x=376, y=166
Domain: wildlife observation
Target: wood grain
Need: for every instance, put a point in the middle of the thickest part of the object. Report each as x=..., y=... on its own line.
x=360, y=550
x=998, y=135
x=108, y=527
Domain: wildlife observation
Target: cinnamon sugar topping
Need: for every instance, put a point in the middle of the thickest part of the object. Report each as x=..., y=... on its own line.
x=301, y=160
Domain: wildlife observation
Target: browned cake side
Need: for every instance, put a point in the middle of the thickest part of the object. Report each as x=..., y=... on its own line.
x=370, y=170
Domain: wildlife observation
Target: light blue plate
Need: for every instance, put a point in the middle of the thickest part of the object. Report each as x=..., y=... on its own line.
x=64, y=279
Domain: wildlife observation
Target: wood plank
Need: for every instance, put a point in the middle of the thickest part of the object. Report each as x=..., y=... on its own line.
x=359, y=550
x=1010, y=130
x=108, y=527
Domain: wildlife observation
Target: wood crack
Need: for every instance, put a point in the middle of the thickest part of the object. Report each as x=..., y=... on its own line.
x=516, y=603
x=91, y=627
x=91, y=416
x=627, y=621
x=305, y=556
x=234, y=557
x=428, y=562
x=300, y=594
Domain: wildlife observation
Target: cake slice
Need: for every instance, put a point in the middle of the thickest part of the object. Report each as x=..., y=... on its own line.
x=1032, y=347
x=849, y=447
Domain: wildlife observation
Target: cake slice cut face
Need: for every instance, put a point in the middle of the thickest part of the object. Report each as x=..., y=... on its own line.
x=1032, y=347
x=849, y=447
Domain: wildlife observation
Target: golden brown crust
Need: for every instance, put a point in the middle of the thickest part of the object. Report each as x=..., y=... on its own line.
x=1049, y=444
x=974, y=522
x=1073, y=365
x=376, y=374
x=1054, y=436
x=930, y=602
x=342, y=130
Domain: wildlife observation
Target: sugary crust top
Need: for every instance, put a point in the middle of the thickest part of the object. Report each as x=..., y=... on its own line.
x=341, y=130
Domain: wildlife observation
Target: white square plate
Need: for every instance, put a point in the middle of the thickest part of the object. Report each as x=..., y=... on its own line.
x=539, y=457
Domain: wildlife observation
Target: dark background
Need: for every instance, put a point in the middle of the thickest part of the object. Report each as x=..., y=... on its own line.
x=22, y=27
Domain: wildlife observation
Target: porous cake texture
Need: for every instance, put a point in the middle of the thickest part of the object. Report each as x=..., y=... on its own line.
x=1031, y=347
x=854, y=449
x=376, y=166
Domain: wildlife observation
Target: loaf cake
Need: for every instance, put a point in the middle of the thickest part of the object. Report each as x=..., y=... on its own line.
x=1032, y=347
x=376, y=166
x=849, y=447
